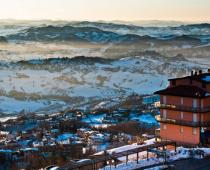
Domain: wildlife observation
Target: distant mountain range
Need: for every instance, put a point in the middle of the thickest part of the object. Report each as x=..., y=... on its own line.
x=99, y=32
x=69, y=33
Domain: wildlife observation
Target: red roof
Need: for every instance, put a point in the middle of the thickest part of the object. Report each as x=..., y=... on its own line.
x=204, y=77
x=184, y=91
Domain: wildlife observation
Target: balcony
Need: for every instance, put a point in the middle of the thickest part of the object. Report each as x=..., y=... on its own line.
x=184, y=108
x=183, y=122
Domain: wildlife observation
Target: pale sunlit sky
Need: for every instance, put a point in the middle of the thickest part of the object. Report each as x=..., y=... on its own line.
x=129, y=10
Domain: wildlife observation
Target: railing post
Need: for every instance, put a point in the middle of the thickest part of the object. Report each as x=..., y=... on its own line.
x=93, y=165
x=137, y=157
x=126, y=158
x=165, y=157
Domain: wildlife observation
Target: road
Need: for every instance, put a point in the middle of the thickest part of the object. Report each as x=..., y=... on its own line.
x=189, y=164
x=193, y=164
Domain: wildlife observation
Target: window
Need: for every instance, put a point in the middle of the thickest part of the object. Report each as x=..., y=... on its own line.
x=201, y=103
x=164, y=127
x=182, y=101
x=202, y=118
x=181, y=129
x=164, y=99
x=194, y=117
x=194, y=131
x=194, y=103
x=164, y=114
x=182, y=115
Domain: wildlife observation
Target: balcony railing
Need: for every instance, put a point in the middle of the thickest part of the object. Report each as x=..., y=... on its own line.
x=185, y=108
x=183, y=122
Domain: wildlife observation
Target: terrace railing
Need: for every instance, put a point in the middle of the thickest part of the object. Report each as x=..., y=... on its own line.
x=183, y=122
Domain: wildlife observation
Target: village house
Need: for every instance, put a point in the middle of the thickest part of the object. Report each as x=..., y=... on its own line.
x=3, y=135
x=185, y=109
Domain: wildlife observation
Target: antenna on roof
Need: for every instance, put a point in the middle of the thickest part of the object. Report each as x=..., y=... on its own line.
x=196, y=73
x=192, y=73
x=200, y=72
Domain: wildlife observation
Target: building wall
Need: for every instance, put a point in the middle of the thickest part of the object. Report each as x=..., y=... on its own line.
x=176, y=100
x=182, y=134
x=185, y=101
x=205, y=117
x=206, y=102
x=185, y=116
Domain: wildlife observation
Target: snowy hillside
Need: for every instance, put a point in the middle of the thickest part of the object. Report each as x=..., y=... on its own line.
x=39, y=70
x=64, y=79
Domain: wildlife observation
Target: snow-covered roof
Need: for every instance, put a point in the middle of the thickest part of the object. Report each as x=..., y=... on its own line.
x=65, y=136
x=128, y=147
x=4, y=119
x=29, y=149
x=4, y=133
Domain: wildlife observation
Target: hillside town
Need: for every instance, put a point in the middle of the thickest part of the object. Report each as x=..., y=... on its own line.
x=104, y=85
x=72, y=134
x=114, y=138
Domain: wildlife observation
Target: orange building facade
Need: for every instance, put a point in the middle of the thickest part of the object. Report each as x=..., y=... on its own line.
x=185, y=109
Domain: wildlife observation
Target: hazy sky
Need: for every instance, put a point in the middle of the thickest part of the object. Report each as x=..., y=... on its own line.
x=183, y=10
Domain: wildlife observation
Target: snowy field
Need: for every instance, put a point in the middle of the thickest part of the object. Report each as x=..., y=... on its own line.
x=11, y=105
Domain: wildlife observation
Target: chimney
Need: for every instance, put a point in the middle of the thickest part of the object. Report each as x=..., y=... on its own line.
x=196, y=73
x=200, y=72
x=192, y=73
x=209, y=70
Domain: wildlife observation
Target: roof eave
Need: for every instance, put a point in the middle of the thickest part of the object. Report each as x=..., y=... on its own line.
x=169, y=94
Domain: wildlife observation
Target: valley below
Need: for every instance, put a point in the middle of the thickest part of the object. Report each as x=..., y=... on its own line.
x=50, y=66
x=69, y=90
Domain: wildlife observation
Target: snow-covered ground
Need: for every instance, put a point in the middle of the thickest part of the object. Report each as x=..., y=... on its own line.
x=95, y=120
x=145, y=118
x=4, y=119
x=33, y=84
x=11, y=105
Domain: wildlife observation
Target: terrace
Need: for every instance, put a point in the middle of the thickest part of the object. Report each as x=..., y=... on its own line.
x=183, y=122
